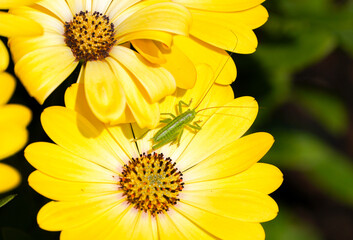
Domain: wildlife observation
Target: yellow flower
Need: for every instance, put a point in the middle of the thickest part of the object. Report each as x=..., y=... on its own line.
x=226, y=24
x=119, y=82
x=13, y=121
x=13, y=118
x=217, y=25
x=105, y=186
x=11, y=25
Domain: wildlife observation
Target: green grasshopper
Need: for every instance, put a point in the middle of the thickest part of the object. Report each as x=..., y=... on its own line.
x=174, y=128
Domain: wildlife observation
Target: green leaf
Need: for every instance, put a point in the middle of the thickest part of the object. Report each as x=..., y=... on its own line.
x=297, y=54
x=326, y=108
x=289, y=227
x=296, y=7
x=344, y=29
x=324, y=166
x=7, y=199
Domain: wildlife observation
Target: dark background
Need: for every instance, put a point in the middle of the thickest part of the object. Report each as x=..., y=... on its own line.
x=302, y=77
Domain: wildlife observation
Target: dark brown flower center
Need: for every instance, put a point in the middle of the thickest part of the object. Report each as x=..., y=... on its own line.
x=90, y=36
x=151, y=183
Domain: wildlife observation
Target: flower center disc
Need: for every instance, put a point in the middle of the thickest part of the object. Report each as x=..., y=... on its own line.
x=90, y=36
x=151, y=183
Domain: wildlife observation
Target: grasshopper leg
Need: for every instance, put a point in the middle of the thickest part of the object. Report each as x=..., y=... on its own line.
x=167, y=120
x=181, y=103
x=160, y=144
x=179, y=137
x=169, y=114
x=194, y=126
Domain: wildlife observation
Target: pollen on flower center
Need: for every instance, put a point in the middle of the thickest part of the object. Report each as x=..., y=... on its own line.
x=90, y=36
x=151, y=183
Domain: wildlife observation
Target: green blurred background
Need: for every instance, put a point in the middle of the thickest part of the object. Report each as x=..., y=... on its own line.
x=302, y=77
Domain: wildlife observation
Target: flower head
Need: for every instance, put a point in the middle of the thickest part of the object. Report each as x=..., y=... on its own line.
x=216, y=26
x=226, y=24
x=107, y=186
x=13, y=121
x=118, y=81
x=13, y=117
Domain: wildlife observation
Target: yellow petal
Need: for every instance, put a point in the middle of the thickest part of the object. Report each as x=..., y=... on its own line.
x=55, y=161
x=56, y=216
x=167, y=17
x=77, y=6
x=9, y=178
x=103, y=90
x=180, y=66
x=101, y=5
x=253, y=17
x=15, y=114
x=123, y=135
x=239, y=204
x=167, y=228
x=119, y=11
x=125, y=226
x=221, y=226
x=223, y=6
x=157, y=81
x=11, y=25
x=4, y=57
x=43, y=70
x=49, y=22
x=260, y=177
x=125, y=117
x=117, y=7
x=200, y=52
x=5, y=4
x=149, y=50
x=231, y=159
x=68, y=190
x=75, y=100
x=145, y=228
x=145, y=113
x=189, y=229
x=217, y=30
x=7, y=87
x=103, y=225
x=217, y=96
x=76, y=134
x=12, y=139
x=170, y=103
x=163, y=37
x=59, y=8
x=202, y=86
x=226, y=125
x=20, y=46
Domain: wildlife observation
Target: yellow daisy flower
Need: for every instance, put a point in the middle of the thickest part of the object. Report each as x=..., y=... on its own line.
x=13, y=121
x=226, y=24
x=105, y=186
x=13, y=118
x=97, y=33
x=11, y=25
x=217, y=25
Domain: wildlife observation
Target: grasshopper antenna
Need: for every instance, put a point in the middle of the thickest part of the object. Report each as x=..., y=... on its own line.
x=219, y=73
x=222, y=107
